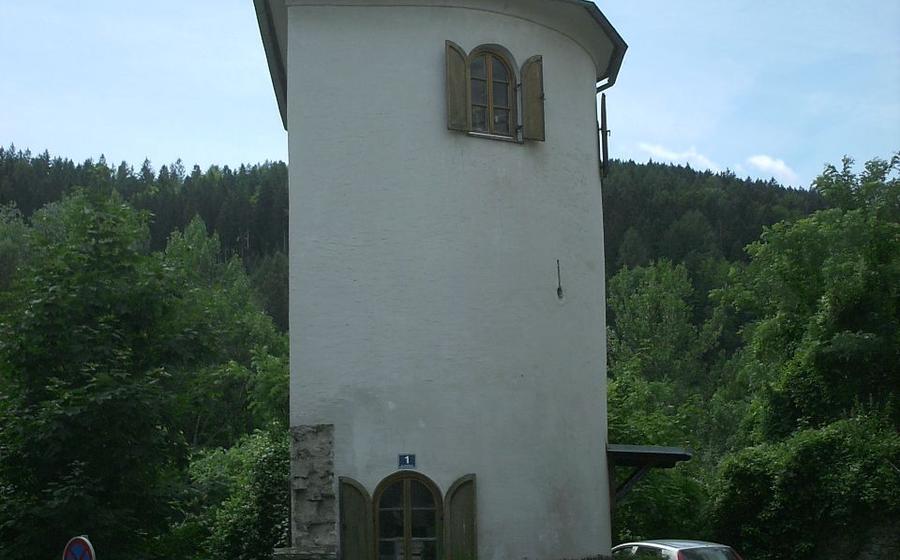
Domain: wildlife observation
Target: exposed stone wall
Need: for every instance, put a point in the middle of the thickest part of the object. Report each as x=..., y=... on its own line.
x=313, y=502
x=874, y=542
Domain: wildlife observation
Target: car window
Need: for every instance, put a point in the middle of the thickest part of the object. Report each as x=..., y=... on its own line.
x=624, y=553
x=709, y=553
x=648, y=553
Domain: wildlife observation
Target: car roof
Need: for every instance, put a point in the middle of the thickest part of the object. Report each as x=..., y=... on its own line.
x=674, y=544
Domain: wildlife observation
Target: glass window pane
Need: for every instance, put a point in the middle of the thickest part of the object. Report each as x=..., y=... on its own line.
x=424, y=523
x=420, y=495
x=501, y=121
x=390, y=524
x=501, y=94
x=500, y=73
x=390, y=550
x=479, y=119
x=392, y=497
x=479, y=70
x=709, y=554
x=479, y=92
x=423, y=550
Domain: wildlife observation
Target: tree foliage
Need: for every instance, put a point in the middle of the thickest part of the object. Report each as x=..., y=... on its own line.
x=83, y=421
x=826, y=493
x=653, y=334
x=825, y=295
x=823, y=346
x=111, y=361
x=781, y=374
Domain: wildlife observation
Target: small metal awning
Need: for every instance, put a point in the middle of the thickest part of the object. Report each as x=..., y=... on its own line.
x=640, y=455
x=642, y=458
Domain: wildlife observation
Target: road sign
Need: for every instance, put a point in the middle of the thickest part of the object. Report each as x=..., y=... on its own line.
x=79, y=548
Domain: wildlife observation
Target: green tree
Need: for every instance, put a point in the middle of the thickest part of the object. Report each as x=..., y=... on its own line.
x=270, y=278
x=83, y=417
x=821, y=358
x=876, y=188
x=633, y=251
x=827, y=494
x=665, y=503
x=657, y=374
x=224, y=341
x=237, y=504
x=109, y=356
x=652, y=334
x=13, y=244
x=825, y=294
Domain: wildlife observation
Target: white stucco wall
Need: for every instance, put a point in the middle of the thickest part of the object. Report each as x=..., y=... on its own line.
x=424, y=312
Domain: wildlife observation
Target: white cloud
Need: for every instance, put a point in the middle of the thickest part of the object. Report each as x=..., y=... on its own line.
x=691, y=156
x=774, y=167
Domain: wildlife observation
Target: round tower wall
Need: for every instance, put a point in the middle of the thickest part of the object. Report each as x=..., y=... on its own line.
x=425, y=315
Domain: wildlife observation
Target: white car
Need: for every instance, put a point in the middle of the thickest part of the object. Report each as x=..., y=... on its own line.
x=673, y=549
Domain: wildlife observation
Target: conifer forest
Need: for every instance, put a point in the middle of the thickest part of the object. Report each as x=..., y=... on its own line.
x=144, y=357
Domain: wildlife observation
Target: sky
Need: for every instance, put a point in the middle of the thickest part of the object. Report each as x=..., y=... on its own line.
x=763, y=88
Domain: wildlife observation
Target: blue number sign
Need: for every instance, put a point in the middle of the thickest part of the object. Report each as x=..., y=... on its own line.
x=79, y=548
x=407, y=461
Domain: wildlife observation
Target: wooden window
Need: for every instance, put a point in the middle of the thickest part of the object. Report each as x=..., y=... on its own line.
x=492, y=94
x=408, y=518
x=483, y=96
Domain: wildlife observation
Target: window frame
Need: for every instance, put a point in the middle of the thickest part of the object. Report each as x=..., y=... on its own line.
x=490, y=53
x=405, y=477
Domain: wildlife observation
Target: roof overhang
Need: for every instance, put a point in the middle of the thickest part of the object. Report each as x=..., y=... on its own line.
x=619, y=45
x=646, y=455
x=642, y=458
x=603, y=42
x=272, y=18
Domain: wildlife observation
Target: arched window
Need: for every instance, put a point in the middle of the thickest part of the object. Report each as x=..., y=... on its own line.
x=483, y=98
x=408, y=516
x=493, y=97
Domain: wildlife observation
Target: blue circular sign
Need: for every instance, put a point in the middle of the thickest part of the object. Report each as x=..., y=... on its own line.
x=79, y=548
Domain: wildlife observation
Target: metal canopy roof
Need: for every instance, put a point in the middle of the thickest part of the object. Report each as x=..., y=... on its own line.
x=642, y=458
x=646, y=455
x=272, y=18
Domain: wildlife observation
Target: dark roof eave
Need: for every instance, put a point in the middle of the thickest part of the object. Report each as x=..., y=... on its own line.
x=619, y=45
x=277, y=69
x=646, y=455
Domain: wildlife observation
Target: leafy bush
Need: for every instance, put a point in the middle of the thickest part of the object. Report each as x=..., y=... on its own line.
x=251, y=480
x=815, y=495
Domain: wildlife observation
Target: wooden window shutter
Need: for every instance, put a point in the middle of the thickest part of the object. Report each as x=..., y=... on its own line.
x=533, y=99
x=457, y=88
x=357, y=541
x=460, y=520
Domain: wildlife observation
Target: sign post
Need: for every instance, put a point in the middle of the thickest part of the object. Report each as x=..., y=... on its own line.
x=79, y=548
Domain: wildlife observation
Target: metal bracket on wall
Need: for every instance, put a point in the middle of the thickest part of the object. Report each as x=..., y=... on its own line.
x=635, y=477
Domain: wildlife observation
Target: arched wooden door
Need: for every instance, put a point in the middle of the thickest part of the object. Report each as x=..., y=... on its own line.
x=408, y=518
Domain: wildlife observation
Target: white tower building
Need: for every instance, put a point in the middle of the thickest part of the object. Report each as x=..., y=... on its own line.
x=448, y=336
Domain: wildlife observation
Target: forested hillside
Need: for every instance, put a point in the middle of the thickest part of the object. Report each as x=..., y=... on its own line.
x=143, y=357
x=245, y=207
